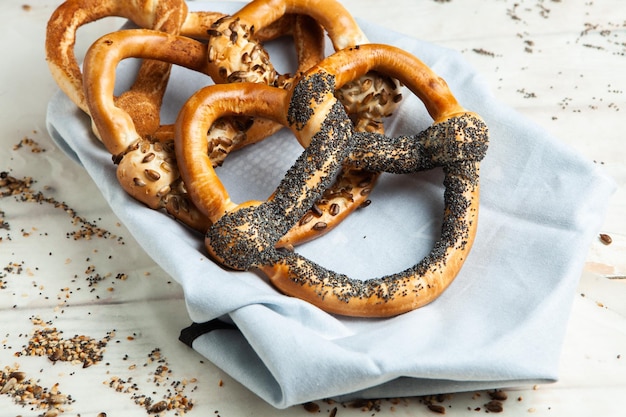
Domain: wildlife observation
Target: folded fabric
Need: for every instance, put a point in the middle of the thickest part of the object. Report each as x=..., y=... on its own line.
x=502, y=321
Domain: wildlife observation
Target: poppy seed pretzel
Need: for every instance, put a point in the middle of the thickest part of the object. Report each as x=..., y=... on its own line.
x=246, y=236
x=147, y=165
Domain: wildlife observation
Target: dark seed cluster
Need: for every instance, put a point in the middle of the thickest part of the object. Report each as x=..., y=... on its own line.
x=22, y=191
x=24, y=391
x=174, y=398
x=79, y=349
x=309, y=90
x=247, y=237
x=34, y=146
x=316, y=168
x=457, y=140
x=434, y=403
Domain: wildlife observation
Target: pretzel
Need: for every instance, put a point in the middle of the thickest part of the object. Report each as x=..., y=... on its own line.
x=147, y=166
x=170, y=16
x=247, y=235
x=368, y=100
x=233, y=48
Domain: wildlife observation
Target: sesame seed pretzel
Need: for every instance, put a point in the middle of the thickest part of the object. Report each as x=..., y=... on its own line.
x=147, y=167
x=240, y=57
x=234, y=50
x=247, y=236
x=368, y=100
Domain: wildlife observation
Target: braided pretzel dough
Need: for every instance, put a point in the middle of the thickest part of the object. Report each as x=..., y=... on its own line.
x=246, y=236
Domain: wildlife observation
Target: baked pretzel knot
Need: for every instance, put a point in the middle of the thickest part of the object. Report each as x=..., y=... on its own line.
x=248, y=235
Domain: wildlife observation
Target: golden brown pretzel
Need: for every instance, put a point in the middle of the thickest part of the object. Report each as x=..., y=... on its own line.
x=147, y=168
x=247, y=235
x=170, y=16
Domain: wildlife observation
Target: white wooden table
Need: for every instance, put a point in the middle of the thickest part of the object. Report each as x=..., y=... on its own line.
x=561, y=64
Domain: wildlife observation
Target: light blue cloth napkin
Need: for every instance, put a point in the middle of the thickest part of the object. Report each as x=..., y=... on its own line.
x=500, y=324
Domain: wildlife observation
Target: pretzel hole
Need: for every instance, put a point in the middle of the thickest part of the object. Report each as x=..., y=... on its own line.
x=254, y=172
x=84, y=38
x=400, y=227
x=282, y=54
